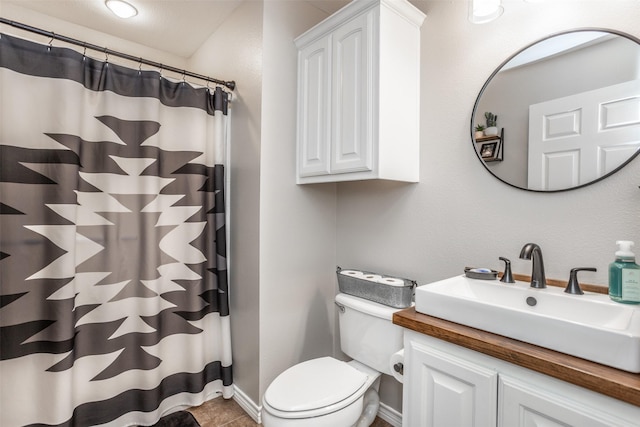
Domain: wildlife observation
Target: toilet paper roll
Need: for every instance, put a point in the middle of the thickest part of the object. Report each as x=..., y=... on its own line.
x=397, y=364
x=391, y=281
x=353, y=273
x=372, y=277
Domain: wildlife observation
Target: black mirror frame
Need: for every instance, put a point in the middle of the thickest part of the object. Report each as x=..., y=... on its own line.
x=499, y=68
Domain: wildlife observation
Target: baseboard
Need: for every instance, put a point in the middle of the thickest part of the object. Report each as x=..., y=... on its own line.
x=248, y=405
x=390, y=415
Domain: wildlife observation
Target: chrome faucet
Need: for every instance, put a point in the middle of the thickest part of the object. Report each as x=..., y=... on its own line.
x=533, y=252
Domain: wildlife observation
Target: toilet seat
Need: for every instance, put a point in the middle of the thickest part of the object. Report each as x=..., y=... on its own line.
x=315, y=387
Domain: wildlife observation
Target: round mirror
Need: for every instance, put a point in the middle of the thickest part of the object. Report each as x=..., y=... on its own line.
x=562, y=113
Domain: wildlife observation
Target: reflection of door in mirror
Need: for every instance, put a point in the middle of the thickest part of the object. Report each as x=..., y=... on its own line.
x=556, y=67
x=579, y=138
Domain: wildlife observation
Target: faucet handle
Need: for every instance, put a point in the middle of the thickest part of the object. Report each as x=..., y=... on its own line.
x=573, y=287
x=507, y=277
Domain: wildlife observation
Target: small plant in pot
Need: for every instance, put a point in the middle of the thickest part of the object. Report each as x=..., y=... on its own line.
x=492, y=121
x=479, y=131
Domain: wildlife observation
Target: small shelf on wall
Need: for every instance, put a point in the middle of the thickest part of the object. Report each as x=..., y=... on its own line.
x=491, y=148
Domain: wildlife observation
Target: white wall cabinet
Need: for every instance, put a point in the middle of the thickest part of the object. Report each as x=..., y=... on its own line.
x=448, y=385
x=358, y=94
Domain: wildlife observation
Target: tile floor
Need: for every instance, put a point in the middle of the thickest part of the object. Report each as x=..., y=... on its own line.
x=219, y=412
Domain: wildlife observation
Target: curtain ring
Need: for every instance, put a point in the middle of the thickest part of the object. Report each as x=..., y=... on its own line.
x=160, y=72
x=53, y=36
x=84, y=52
x=106, y=55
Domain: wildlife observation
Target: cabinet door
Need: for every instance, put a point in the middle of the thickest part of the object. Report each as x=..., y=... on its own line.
x=314, y=72
x=352, y=56
x=525, y=405
x=442, y=390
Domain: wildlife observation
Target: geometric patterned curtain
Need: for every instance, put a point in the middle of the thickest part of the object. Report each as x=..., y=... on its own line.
x=113, y=280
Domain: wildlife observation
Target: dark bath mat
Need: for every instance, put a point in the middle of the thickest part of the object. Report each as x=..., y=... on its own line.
x=177, y=419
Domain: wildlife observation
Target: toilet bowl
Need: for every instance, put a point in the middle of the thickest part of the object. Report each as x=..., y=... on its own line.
x=336, y=397
x=327, y=392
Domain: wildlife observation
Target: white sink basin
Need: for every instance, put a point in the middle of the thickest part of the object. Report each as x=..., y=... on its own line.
x=590, y=326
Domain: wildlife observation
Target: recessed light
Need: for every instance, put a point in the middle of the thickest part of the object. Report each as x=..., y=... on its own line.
x=121, y=8
x=482, y=11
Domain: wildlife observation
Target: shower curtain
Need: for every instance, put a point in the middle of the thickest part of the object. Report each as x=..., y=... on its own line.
x=113, y=292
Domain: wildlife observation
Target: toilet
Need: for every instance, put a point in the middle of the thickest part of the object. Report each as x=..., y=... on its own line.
x=327, y=392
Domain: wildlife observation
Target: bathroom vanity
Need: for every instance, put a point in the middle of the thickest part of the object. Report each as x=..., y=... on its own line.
x=462, y=376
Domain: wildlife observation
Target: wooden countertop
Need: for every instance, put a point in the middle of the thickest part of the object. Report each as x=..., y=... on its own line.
x=602, y=379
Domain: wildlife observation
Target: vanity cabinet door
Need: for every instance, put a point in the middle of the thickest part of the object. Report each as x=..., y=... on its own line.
x=441, y=389
x=523, y=404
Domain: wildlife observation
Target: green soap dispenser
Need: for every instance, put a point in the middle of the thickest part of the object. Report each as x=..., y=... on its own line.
x=624, y=275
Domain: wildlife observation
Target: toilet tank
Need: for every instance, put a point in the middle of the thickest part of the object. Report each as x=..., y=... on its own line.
x=367, y=333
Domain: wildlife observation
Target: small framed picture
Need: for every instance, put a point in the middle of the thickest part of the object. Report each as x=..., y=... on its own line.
x=488, y=150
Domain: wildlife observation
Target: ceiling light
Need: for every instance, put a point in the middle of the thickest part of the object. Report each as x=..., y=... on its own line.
x=482, y=11
x=121, y=8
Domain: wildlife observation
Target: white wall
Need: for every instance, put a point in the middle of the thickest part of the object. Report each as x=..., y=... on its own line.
x=297, y=223
x=234, y=52
x=283, y=235
x=460, y=215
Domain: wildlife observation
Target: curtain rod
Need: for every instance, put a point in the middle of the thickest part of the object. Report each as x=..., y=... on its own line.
x=229, y=84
